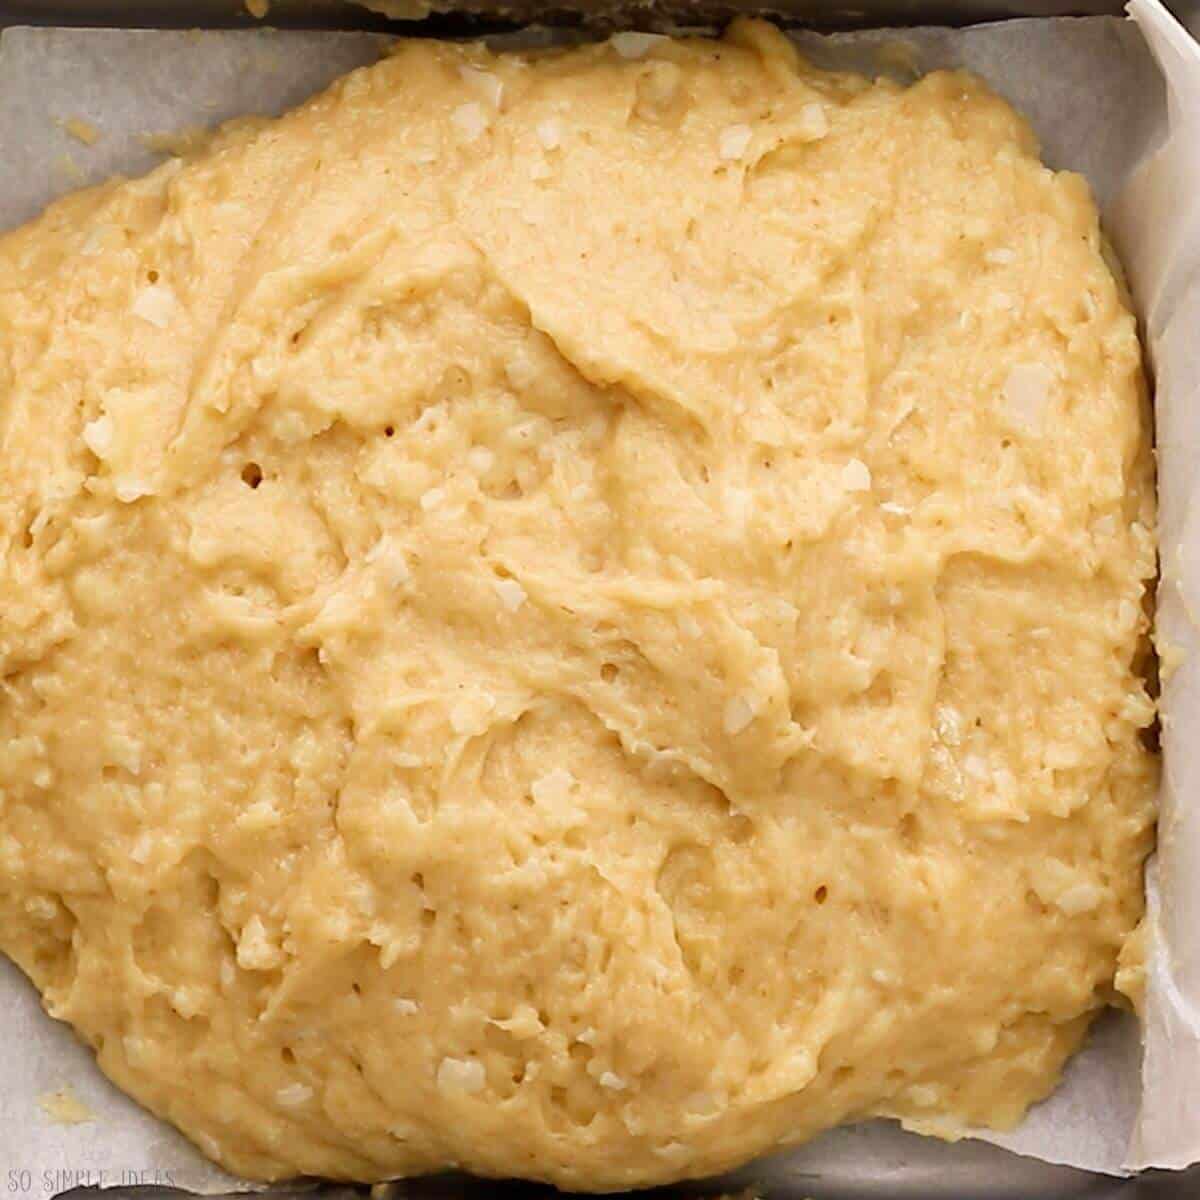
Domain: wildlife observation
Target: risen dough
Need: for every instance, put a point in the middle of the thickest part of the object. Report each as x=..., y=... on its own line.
x=577, y=616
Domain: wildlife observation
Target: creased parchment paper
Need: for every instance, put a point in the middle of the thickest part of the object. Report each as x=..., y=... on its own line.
x=1116, y=100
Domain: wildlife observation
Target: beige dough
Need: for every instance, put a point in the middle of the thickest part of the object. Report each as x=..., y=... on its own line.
x=576, y=615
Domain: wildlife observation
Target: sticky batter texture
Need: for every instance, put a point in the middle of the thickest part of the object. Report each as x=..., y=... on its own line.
x=578, y=616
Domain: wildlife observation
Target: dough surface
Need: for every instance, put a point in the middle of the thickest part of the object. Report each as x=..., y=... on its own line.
x=576, y=615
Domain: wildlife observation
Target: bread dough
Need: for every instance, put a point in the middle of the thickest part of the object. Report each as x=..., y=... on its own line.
x=576, y=615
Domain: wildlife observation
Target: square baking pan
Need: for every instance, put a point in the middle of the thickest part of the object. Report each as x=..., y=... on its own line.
x=471, y=16
x=876, y=1161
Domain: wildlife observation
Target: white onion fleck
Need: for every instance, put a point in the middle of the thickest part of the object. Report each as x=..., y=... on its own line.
x=734, y=141
x=631, y=44
x=856, y=476
x=461, y=1075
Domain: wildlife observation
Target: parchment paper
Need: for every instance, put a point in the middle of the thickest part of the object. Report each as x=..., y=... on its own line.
x=1117, y=100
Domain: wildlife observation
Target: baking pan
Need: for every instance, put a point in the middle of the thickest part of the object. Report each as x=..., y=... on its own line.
x=473, y=15
x=869, y=1162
